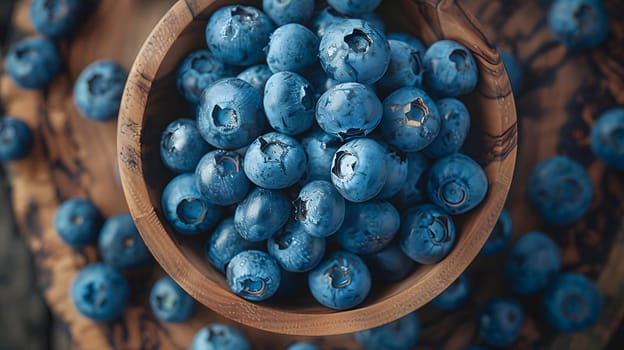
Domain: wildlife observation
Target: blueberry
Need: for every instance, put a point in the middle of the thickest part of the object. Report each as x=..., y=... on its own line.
x=327, y=17
x=16, y=139
x=224, y=243
x=454, y=296
x=427, y=234
x=355, y=169
x=237, y=34
x=99, y=292
x=169, y=302
x=253, y=275
x=500, y=235
x=572, y=303
x=261, y=214
x=457, y=183
x=320, y=148
x=354, y=7
x=294, y=249
x=56, y=18
x=450, y=69
x=401, y=334
x=410, y=40
x=292, y=47
x=289, y=11
x=302, y=346
x=579, y=24
x=98, y=90
x=514, y=70
x=349, y=110
x=230, y=113
x=289, y=103
x=405, y=69
x=78, y=221
x=197, y=71
x=500, y=322
x=390, y=263
x=368, y=226
x=455, y=120
x=275, y=161
x=120, y=244
x=607, y=138
x=560, y=190
x=340, y=282
x=354, y=50
x=397, y=169
x=218, y=336
x=414, y=190
x=219, y=176
x=320, y=208
x=257, y=76
x=411, y=120
x=181, y=146
x=33, y=62
x=185, y=208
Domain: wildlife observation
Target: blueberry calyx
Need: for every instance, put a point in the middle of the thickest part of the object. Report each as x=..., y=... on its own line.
x=416, y=113
x=166, y=302
x=228, y=163
x=243, y=15
x=98, y=85
x=344, y=167
x=339, y=275
x=416, y=63
x=358, y=41
x=203, y=64
x=453, y=193
x=274, y=151
x=77, y=219
x=460, y=58
x=254, y=286
x=54, y=10
x=574, y=307
x=225, y=117
x=584, y=15
x=214, y=334
x=191, y=210
x=569, y=190
x=128, y=241
x=438, y=230
x=284, y=240
x=301, y=209
x=95, y=296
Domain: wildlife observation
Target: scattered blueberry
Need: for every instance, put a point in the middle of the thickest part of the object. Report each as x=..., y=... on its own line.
x=289, y=11
x=181, y=146
x=368, y=226
x=289, y=103
x=390, y=263
x=320, y=148
x=414, y=190
x=219, y=176
x=500, y=322
x=572, y=303
x=120, y=244
x=427, y=234
x=197, y=71
x=169, y=302
x=98, y=90
x=450, y=69
x=401, y=334
x=454, y=296
x=78, y=221
x=320, y=208
x=224, y=243
x=328, y=17
x=257, y=76
x=217, y=336
x=55, y=18
x=405, y=69
x=99, y=292
x=302, y=346
x=455, y=120
x=532, y=263
x=500, y=235
x=514, y=70
x=294, y=249
x=33, y=62
x=607, y=138
x=253, y=275
x=354, y=8
x=293, y=48
x=16, y=139
x=579, y=24
x=261, y=214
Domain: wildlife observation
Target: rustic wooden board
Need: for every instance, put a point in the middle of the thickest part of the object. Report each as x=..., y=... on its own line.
x=564, y=93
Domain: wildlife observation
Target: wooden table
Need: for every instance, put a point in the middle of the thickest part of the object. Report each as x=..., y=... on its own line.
x=564, y=92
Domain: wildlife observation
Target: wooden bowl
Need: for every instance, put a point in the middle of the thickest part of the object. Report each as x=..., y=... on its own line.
x=150, y=102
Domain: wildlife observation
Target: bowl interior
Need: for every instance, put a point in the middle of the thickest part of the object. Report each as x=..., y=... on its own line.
x=151, y=101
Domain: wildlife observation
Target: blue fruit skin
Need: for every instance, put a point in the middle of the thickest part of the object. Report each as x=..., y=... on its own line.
x=78, y=221
x=560, y=190
x=390, y=263
x=219, y=176
x=230, y=114
x=349, y=110
x=185, y=208
x=320, y=148
x=397, y=169
x=354, y=51
x=450, y=69
x=289, y=11
x=328, y=17
x=454, y=296
x=257, y=76
x=354, y=7
x=355, y=169
x=514, y=70
x=368, y=226
x=120, y=244
x=455, y=126
x=225, y=243
x=414, y=190
x=572, y=303
x=55, y=19
x=294, y=249
x=289, y=103
x=500, y=235
x=33, y=62
x=98, y=90
x=169, y=302
x=427, y=234
x=401, y=334
x=292, y=47
x=237, y=34
x=607, y=138
x=409, y=40
x=275, y=161
x=197, y=71
x=99, y=292
x=253, y=275
x=218, y=336
x=457, y=183
x=320, y=208
x=261, y=214
x=411, y=120
x=181, y=146
x=500, y=322
x=340, y=282
x=532, y=263
x=302, y=346
x=16, y=139
x=405, y=69
x=579, y=24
